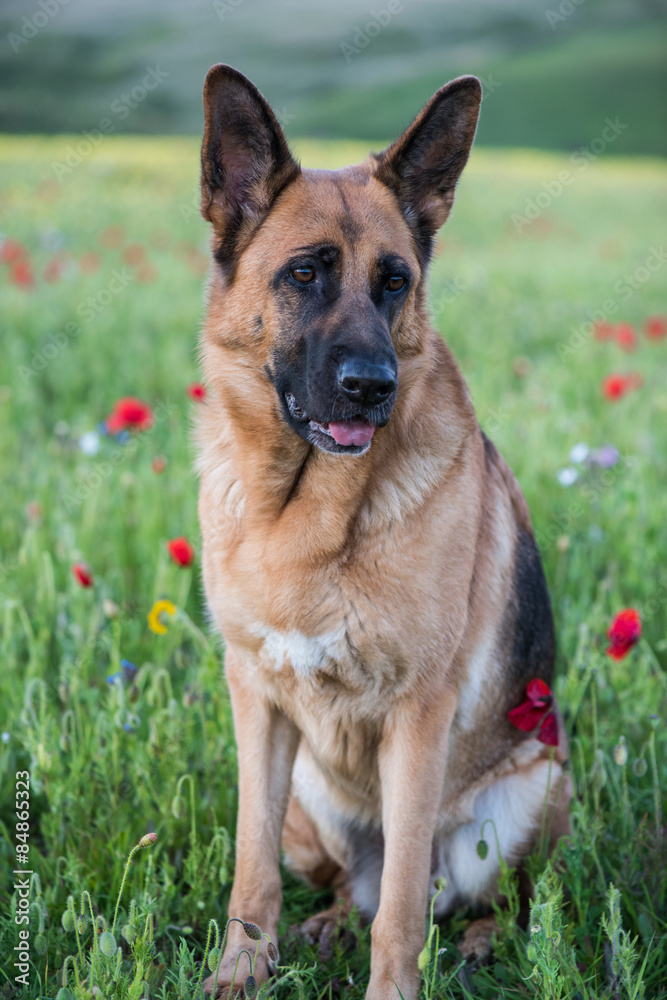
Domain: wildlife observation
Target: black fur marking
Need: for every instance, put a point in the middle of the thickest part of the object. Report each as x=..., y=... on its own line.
x=529, y=628
x=490, y=451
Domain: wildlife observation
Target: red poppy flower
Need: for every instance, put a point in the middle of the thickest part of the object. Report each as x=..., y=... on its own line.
x=626, y=337
x=146, y=272
x=624, y=633
x=134, y=254
x=34, y=511
x=181, y=551
x=129, y=414
x=82, y=574
x=89, y=262
x=196, y=391
x=603, y=330
x=112, y=237
x=54, y=269
x=536, y=711
x=159, y=464
x=615, y=387
x=22, y=273
x=549, y=730
x=656, y=327
x=11, y=251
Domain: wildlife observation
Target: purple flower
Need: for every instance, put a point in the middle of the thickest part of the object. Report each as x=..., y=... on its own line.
x=129, y=670
x=604, y=457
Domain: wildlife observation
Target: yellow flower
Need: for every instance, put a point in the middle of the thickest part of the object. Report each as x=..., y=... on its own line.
x=156, y=624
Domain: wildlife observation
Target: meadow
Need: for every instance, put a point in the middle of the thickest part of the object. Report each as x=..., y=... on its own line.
x=125, y=732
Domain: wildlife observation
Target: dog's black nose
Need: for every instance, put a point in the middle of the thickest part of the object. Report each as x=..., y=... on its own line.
x=366, y=382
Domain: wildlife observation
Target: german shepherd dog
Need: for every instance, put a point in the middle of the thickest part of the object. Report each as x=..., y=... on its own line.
x=367, y=554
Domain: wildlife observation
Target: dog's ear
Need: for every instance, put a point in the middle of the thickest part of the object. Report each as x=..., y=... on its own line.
x=424, y=164
x=245, y=159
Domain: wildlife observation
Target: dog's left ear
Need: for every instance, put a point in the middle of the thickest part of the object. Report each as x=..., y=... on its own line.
x=424, y=164
x=245, y=159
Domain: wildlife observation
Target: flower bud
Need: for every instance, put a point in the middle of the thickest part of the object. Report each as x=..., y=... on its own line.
x=424, y=956
x=441, y=883
x=129, y=933
x=108, y=944
x=148, y=839
x=252, y=930
x=272, y=952
x=67, y=920
x=621, y=752
x=63, y=994
x=250, y=987
x=639, y=767
x=213, y=959
x=40, y=944
x=482, y=849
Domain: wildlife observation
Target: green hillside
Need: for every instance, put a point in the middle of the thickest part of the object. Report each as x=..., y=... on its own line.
x=341, y=70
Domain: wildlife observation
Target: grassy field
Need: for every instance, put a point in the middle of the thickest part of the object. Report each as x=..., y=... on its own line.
x=105, y=300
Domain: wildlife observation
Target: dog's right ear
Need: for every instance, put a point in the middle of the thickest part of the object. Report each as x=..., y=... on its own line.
x=245, y=160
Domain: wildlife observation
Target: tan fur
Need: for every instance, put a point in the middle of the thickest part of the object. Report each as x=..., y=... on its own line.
x=362, y=600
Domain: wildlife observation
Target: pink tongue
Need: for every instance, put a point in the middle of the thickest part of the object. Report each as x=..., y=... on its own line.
x=352, y=432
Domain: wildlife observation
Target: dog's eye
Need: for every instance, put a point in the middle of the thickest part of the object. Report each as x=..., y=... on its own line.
x=395, y=283
x=303, y=274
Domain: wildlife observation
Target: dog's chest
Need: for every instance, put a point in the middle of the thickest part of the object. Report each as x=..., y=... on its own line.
x=305, y=655
x=346, y=654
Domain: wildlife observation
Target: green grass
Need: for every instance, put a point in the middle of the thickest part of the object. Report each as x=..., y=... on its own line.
x=97, y=787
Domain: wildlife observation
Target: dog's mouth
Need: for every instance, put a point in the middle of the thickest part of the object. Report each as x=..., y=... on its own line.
x=351, y=436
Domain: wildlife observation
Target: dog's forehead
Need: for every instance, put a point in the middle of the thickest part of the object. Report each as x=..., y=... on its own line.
x=347, y=208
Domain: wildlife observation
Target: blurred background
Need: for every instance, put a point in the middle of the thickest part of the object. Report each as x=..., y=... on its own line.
x=551, y=69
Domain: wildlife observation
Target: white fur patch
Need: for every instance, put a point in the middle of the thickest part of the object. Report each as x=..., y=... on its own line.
x=515, y=805
x=304, y=653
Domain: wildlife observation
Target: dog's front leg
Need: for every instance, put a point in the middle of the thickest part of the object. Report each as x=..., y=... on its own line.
x=412, y=763
x=267, y=743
